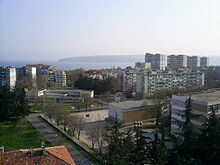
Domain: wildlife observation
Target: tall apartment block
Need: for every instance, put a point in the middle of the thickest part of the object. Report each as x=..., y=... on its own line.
x=158, y=61
x=26, y=71
x=58, y=77
x=193, y=61
x=201, y=108
x=204, y=62
x=174, y=61
x=7, y=76
x=147, y=83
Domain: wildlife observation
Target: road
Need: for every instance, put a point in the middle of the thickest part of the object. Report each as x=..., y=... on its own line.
x=57, y=140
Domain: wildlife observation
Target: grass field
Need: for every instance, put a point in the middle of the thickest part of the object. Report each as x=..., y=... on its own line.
x=20, y=134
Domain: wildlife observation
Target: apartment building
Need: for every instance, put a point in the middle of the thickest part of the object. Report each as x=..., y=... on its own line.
x=55, y=76
x=143, y=65
x=158, y=61
x=129, y=80
x=148, y=82
x=26, y=71
x=202, y=104
x=41, y=69
x=174, y=61
x=204, y=62
x=193, y=61
x=7, y=76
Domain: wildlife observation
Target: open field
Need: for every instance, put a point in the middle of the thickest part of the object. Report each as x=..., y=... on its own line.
x=20, y=134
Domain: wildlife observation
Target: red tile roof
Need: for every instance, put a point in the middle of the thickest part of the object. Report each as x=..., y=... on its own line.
x=58, y=155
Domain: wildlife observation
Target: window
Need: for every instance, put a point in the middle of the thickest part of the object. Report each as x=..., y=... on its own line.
x=87, y=115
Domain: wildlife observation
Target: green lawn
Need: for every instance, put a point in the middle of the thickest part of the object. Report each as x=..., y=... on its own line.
x=20, y=134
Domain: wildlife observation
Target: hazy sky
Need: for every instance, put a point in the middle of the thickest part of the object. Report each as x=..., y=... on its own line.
x=53, y=29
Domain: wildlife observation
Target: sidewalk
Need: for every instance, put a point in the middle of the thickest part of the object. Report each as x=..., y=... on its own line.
x=56, y=140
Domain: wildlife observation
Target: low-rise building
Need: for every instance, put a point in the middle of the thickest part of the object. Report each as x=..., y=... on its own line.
x=131, y=111
x=67, y=96
x=202, y=104
x=57, y=155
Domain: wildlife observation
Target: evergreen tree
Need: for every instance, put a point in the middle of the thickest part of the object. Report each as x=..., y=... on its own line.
x=158, y=152
x=208, y=145
x=140, y=148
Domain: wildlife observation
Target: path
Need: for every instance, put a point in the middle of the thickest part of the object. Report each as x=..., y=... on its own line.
x=57, y=140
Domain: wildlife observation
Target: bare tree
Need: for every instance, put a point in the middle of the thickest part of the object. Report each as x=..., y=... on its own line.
x=91, y=134
x=72, y=123
x=100, y=132
x=76, y=124
x=80, y=125
x=160, y=98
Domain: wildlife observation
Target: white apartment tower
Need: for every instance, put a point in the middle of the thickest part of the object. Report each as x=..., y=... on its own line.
x=7, y=76
x=179, y=61
x=204, y=62
x=193, y=61
x=158, y=61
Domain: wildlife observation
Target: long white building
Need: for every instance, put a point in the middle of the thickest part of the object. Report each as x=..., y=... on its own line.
x=148, y=82
x=202, y=104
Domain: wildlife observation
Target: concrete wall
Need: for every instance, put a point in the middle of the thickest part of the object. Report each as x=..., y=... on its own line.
x=115, y=111
x=93, y=116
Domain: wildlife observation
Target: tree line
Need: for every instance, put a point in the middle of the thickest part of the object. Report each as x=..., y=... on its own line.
x=13, y=102
x=108, y=85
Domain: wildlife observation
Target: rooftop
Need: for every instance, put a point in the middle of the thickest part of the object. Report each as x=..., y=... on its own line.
x=53, y=155
x=210, y=97
x=134, y=104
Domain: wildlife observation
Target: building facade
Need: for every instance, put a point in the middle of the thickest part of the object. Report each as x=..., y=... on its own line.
x=149, y=82
x=179, y=61
x=131, y=111
x=193, y=61
x=201, y=108
x=158, y=61
x=57, y=77
x=7, y=76
x=143, y=65
x=204, y=62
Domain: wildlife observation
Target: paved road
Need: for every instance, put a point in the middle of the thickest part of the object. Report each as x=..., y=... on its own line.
x=57, y=140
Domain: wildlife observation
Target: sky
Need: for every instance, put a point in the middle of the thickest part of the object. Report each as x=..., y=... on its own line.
x=54, y=29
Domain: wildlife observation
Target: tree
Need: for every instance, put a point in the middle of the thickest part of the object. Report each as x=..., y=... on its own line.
x=72, y=76
x=100, y=135
x=160, y=98
x=208, y=143
x=114, y=141
x=13, y=103
x=157, y=150
x=91, y=134
x=140, y=148
x=79, y=125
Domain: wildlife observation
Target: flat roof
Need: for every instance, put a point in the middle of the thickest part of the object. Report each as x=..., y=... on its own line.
x=133, y=104
x=210, y=97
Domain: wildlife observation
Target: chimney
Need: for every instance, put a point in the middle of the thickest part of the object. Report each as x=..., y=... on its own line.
x=1, y=155
x=2, y=149
x=43, y=151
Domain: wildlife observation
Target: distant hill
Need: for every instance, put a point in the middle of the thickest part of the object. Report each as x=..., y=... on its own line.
x=105, y=59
